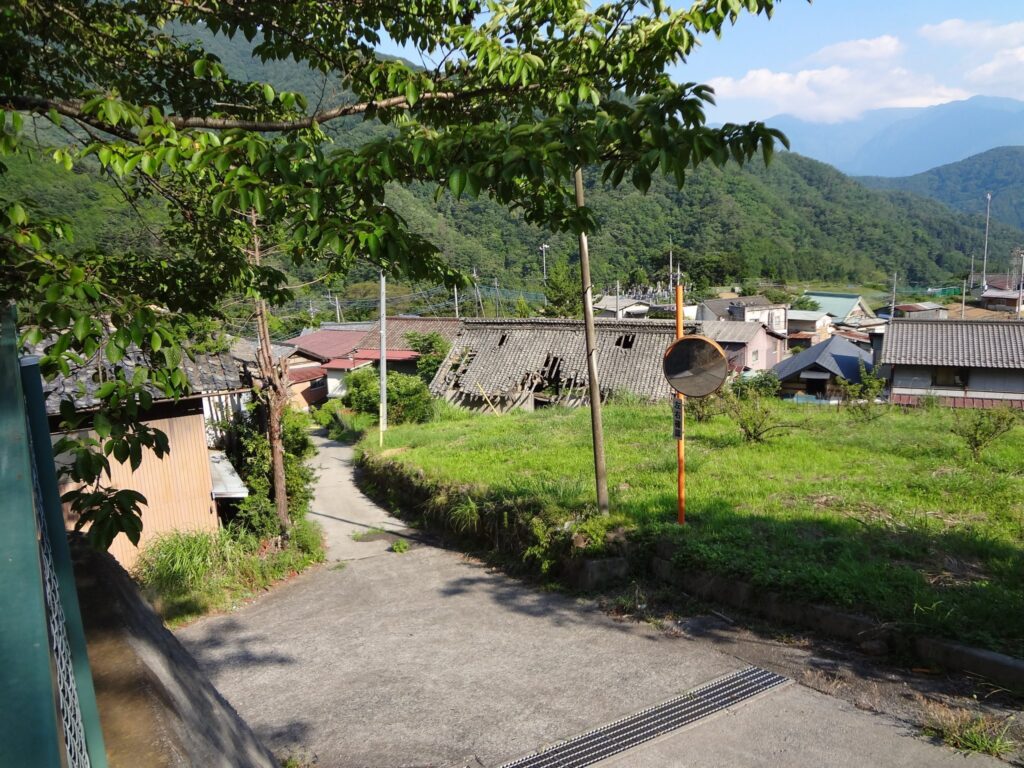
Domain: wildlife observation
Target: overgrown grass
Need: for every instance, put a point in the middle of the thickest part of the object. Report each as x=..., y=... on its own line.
x=189, y=574
x=969, y=731
x=889, y=517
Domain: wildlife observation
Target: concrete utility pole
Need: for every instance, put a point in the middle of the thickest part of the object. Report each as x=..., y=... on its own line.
x=383, y=416
x=544, y=259
x=456, y=302
x=972, y=271
x=600, y=473
x=671, y=270
x=892, y=304
x=963, y=301
x=984, y=260
x=337, y=310
x=617, y=315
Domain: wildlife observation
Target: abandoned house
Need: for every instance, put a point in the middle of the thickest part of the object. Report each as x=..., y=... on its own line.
x=501, y=364
x=182, y=489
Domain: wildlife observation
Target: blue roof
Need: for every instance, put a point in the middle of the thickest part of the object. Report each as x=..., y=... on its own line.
x=838, y=356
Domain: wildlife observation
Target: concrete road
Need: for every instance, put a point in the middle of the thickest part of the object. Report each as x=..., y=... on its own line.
x=342, y=511
x=428, y=658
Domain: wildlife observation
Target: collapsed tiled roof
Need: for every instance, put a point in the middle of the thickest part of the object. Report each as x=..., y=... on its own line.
x=958, y=343
x=245, y=350
x=504, y=357
x=207, y=375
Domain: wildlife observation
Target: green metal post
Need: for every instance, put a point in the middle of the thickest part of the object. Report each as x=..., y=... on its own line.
x=35, y=402
x=29, y=732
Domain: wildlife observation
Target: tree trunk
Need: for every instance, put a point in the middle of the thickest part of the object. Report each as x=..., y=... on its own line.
x=275, y=386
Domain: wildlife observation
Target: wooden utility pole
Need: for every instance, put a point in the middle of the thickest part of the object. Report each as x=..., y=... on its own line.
x=590, y=335
x=275, y=385
x=681, y=442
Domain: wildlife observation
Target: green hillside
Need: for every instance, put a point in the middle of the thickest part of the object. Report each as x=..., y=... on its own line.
x=796, y=220
x=963, y=185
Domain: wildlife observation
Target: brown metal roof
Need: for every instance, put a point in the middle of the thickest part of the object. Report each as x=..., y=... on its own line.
x=959, y=343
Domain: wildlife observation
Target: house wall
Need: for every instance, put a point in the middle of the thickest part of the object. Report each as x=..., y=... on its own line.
x=307, y=393
x=178, y=487
x=337, y=385
x=985, y=387
x=764, y=352
x=775, y=317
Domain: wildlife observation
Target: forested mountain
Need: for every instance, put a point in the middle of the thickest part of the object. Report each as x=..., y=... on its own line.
x=798, y=219
x=963, y=185
x=900, y=142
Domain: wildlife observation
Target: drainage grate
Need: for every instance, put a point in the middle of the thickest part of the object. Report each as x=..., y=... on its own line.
x=608, y=740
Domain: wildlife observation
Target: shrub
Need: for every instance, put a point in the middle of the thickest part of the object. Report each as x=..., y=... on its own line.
x=408, y=397
x=860, y=398
x=399, y=546
x=761, y=384
x=755, y=416
x=433, y=350
x=980, y=428
x=703, y=409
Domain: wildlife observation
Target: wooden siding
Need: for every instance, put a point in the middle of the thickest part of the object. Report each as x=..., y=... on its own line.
x=178, y=487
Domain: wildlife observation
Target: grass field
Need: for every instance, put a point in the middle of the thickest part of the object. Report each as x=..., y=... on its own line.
x=890, y=517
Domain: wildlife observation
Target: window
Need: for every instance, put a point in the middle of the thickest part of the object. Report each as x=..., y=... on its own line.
x=503, y=339
x=754, y=355
x=625, y=340
x=949, y=377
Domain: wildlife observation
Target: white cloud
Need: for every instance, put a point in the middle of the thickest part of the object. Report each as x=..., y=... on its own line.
x=865, y=49
x=833, y=94
x=1007, y=66
x=975, y=34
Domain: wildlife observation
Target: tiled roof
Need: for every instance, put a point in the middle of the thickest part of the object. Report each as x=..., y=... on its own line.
x=921, y=306
x=720, y=307
x=611, y=302
x=328, y=344
x=207, y=374
x=730, y=331
x=504, y=357
x=959, y=343
x=995, y=293
x=838, y=356
x=245, y=350
x=397, y=327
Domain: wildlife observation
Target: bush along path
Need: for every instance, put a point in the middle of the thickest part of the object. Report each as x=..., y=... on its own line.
x=889, y=518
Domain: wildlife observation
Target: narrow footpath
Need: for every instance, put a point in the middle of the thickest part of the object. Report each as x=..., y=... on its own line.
x=428, y=658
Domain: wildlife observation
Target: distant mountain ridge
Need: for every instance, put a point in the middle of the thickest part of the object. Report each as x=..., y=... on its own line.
x=903, y=142
x=964, y=184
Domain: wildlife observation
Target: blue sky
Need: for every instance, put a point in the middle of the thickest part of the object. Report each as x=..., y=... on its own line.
x=831, y=60
x=834, y=59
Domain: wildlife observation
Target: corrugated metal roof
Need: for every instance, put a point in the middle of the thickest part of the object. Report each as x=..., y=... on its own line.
x=328, y=344
x=398, y=327
x=720, y=307
x=839, y=305
x=813, y=315
x=958, y=343
x=309, y=373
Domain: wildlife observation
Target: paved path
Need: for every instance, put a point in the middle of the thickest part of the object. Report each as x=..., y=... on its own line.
x=430, y=659
x=342, y=510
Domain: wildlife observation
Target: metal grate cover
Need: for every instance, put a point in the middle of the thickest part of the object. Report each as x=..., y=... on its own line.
x=600, y=743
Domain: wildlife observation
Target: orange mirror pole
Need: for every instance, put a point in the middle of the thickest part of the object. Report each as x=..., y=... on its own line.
x=680, y=443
